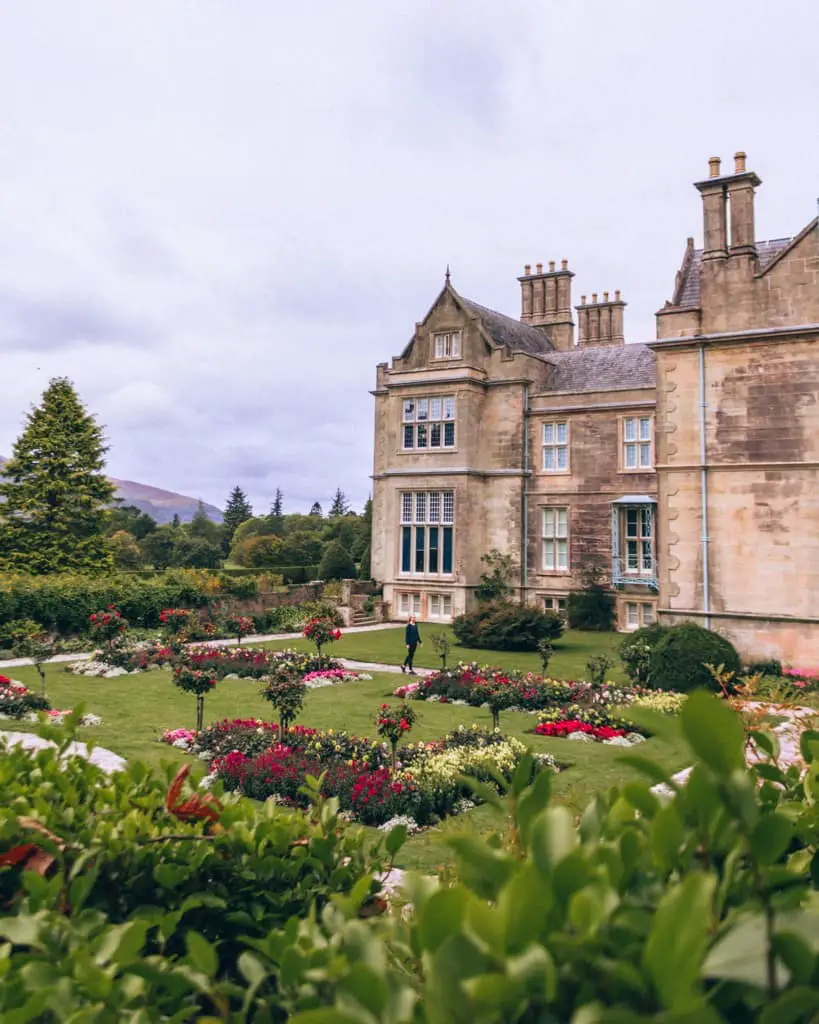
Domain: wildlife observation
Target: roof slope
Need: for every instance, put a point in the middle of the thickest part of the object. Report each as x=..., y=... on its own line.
x=688, y=292
x=509, y=333
x=608, y=368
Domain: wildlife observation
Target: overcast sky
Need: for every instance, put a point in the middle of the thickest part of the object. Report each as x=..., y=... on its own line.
x=216, y=216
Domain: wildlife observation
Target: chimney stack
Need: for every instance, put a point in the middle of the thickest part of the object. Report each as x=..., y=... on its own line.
x=546, y=301
x=715, y=212
x=600, y=323
x=717, y=191
x=741, y=197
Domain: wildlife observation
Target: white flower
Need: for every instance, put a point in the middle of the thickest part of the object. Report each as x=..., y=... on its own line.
x=209, y=781
x=410, y=824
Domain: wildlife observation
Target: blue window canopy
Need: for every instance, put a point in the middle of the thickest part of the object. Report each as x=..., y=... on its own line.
x=635, y=499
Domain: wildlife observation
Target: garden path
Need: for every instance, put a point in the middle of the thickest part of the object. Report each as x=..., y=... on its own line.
x=105, y=759
x=230, y=642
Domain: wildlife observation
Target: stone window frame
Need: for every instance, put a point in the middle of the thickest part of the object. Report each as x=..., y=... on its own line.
x=640, y=619
x=441, y=597
x=555, y=446
x=416, y=512
x=406, y=601
x=556, y=569
x=557, y=599
x=448, y=336
x=623, y=442
x=414, y=423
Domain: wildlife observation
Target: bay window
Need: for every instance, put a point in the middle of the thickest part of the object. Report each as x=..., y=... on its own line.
x=633, y=541
x=428, y=422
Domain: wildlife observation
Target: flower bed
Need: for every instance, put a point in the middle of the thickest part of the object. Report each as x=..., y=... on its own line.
x=580, y=722
x=477, y=685
x=86, y=720
x=18, y=702
x=259, y=760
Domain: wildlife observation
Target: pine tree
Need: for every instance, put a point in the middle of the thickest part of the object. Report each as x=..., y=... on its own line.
x=237, y=511
x=315, y=509
x=56, y=495
x=176, y=522
x=277, y=508
x=340, y=506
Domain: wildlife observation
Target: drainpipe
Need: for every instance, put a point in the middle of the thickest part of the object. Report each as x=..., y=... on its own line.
x=706, y=590
x=524, y=531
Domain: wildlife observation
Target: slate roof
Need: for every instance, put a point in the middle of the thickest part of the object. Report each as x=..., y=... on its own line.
x=689, y=291
x=608, y=368
x=510, y=333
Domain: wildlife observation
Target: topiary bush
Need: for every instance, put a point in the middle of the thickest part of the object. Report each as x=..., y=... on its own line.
x=679, y=658
x=636, y=650
x=337, y=563
x=507, y=627
x=591, y=608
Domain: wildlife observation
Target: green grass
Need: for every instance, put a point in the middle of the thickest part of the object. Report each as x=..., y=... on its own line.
x=136, y=710
x=386, y=647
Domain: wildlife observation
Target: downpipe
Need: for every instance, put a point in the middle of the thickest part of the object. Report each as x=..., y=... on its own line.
x=524, y=531
x=705, y=541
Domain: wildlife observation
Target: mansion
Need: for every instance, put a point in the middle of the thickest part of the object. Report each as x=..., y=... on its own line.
x=686, y=468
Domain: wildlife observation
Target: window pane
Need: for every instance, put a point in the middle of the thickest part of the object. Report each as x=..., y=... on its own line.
x=631, y=522
x=446, y=564
x=631, y=555
x=563, y=554
x=456, y=344
x=562, y=433
x=434, y=506
x=548, y=433
x=631, y=456
x=409, y=410
x=433, y=604
x=421, y=507
x=449, y=435
x=449, y=507
x=562, y=522
x=548, y=522
x=563, y=458
x=435, y=408
x=548, y=554
x=548, y=458
x=422, y=435
x=419, y=548
x=433, y=549
x=409, y=436
x=648, y=614
x=562, y=605
x=406, y=507
x=647, y=560
x=629, y=428
x=645, y=429
x=645, y=454
x=406, y=540
x=439, y=346
x=631, y=614
x=434, y=435
x=449, y=407
x=421, y=413
x=416, y=604
x=645, y=521
x=446, y=604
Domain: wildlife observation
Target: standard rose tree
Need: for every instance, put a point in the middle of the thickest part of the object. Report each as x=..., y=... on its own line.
x=321, y=631
x=285, y=689
x=197, y=681
x=393, y=723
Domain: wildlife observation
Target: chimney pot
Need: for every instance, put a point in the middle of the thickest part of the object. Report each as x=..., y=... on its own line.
x=582, y=300
x=605, y=296
x=713, y=167
x=564, y=264
x=540, y=268
x=739, y=162
x=617, y=295
x=594, y=297
x=527, y=269
x=551, y=266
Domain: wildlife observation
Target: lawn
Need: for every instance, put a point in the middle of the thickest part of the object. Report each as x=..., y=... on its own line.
x=386, y=647
x=136, y=709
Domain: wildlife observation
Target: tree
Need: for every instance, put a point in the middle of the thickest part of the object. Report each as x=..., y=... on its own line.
x=237, y=511
x=336, y=563
x=276, y=509
x=196, y=552
x=176, y=522
x=201, y=525
x=592, y=607
x=494, y=584
x=340, y=505
x=131, y=519
x=315, y=509
x=55, y=494
x=124, y=550
x=364, y=571
x=158, y=547
x=259, y=552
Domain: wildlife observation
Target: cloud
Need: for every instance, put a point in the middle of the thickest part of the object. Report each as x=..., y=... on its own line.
x=217, y=218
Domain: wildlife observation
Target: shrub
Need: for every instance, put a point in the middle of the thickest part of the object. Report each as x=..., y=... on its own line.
x=636, y=649
x=764, y=667
x=364, y=571
x=591, y=608
x=679, y=658
x=507, y=627
x=337, y=563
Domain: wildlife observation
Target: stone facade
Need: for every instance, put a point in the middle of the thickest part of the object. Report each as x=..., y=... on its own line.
x=494, y=433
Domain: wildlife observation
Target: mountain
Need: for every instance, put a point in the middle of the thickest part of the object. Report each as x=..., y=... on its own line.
x=158, y=504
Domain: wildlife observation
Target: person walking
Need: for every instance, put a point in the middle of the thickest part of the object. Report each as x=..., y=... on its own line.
x=412, y=639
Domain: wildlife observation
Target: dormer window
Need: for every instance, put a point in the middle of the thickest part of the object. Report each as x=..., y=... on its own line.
x=447, y=345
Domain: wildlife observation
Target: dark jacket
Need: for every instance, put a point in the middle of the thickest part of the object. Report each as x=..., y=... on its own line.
x=412, y=636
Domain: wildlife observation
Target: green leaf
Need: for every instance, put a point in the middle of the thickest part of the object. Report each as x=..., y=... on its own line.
x=667, y=836
x=122, y=943
x=740, y=955
x=641, y=798
x=771, y=838
x=523, y=905
x=553, y=837
x=522, y=776
x=202, y=954
x=809, y=745
x=442, y=916
x=325, y=1016
x=536, y=970
x=395, y=839
x=22, y=930
x=251, y=968
x=649, y=768
x=796, y=954
x=483, y=869
x=715, y=733
x=677, y=942
x=532, y=801
x=368, y=987
x=792, y=1007
x=485, y=793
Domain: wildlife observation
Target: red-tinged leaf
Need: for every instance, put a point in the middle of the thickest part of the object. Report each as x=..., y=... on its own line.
x=176, y=787
x=17, y=854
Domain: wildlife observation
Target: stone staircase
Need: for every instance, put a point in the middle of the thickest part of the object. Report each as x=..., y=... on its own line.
x=360, y=617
